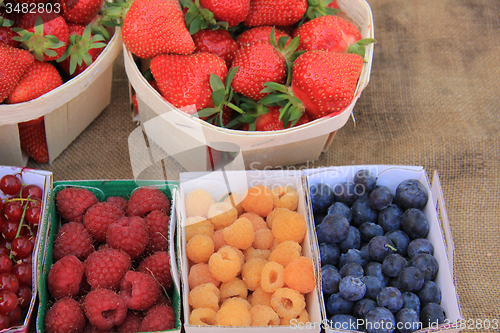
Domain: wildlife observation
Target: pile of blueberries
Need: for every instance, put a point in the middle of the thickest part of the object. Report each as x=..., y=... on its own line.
x=377, y=266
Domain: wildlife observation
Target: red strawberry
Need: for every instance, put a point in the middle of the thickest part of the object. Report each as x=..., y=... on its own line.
x=256, y=34
x=185, y=79
x=6, y=35
x=333, y=4
x=230, y=11
x=270, y=121
x=218, y=42
x=275, y=12
x=154, y=27
x=33, y=139
x=13, y=64
x=80, y=11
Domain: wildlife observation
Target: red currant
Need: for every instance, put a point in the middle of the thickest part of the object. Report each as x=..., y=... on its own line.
x=24, y=296
x=23, y=271
x=8, y=301
x=4, y=321
x=13, y=210
x=33, y=191
x=5, y=263
x=5, y=250
x=8, y=281
x=9, y=229
x=21, y=247
x=10, y=185
x=15, y=315
x=2, y=219
x=33, y=214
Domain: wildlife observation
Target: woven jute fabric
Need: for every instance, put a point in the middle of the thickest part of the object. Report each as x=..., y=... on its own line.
x=432, y=100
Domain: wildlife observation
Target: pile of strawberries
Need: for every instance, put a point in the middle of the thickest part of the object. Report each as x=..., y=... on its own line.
x=112, y=268
x=248, y=64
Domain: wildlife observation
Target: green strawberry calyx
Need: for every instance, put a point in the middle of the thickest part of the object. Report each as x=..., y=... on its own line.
x=198, y=18
x=291, y=108
x=253, y=110
x=317, y=8
x=359, y=46
x=113, y=13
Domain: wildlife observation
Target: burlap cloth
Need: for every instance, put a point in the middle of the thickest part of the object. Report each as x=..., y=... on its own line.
x=431, y=101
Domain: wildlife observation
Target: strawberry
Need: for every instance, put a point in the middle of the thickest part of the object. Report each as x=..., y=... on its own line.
x=256, y=34
x=154, y=27
x=317, y=8
x=80, y=11
x=6, y=35
x=275, y=12
x=271, y=121
x=218, y=42
x=33, y=139
x=231, y=11
x=13, y=64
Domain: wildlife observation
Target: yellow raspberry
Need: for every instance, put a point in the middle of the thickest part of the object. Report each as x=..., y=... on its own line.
x=286, y=252
x=197, y=203
x=257, y=221
x=241, y=255
x=299, y=275
x=303, y=318
x=285, y=197
x=273, y=277
x=260, y=297
x=200, y=274
x=289, y=226
x=240, y=234
x=204, y=296
x=202, y=317
x=197, y=225
x=263, y=315
x=252, y=271
x=218, y=239
x=288, y=303
x=225, y=264
x=234, y=312
x=264, y=239
x=252, y=252
x=235, y=287
x=258, y=200
x=273, y=214
x=234, y=199
x=222, y=215
x=200, y=248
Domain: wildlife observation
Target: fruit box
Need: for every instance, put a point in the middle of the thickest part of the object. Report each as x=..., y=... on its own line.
x=219, y=183
x=68, y=109
x=175, y=131
x=439, y=228
x=102, y=190
x=44, y=180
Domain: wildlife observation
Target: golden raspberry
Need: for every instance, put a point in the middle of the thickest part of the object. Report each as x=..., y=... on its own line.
x=235, y=287
x=197, y=225
x=225, y=264
x=240, y=234
x=234, y=199
x=204, y=296
x=264, y=239
x=285, y=252
x=242, y=258
x=252, y=252
x=218, y=239
x=258, y=200
x=234, y=312
x=299, y=275
x=285, y=197
x=273, y=214
x=202, y=316
x=303, y=318
x=288, y=303
x=200, y=274
x=222, y=215
x=273, y=277
x=252, y=271
x=197, y=203
x=257, y=221
x=260, y=297
x=289, y=226
x=200, y=248
x=263, y=315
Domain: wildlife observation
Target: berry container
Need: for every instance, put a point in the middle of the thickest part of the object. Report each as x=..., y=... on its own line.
x=439, y=229
x=44, y=180
x=102, y=190
x=68, y=109
x=175, y=131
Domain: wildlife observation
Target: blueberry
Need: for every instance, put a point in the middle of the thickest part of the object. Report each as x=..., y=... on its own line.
x=343, y=322
x=390, y=218
x=391, y=299
x=321, y=197
x=414, y=223
x=329, y=254
x=321, y=237
x=381, y=247
x=411, y=301
x=353, y=269
x=368, y=230
x=333, y=229
x=375, y=269
x=380, y=320
x=394, y=282
x=365, y=249
x=353, y=255
x=342, y=209
x=362, y=307
x=400, y=240
x=362, y=212
x=393, y=264
x=318, y=217
x=380, y=198
x=427, y=264
x=346, y=193
x=408, y=321
x=336, y=304
x=351, y=288
x=420, y=245
x=330, y=279
x=411, y=194
x=430, y=293
x=365, y=180
x=373, y=286
x=411, y=279
x=432, y=315
x=352, y=241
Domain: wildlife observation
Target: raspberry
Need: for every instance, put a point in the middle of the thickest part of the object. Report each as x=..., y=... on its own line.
x=73, y=239
x=128, y=234
x=204, y=296
x=303, y=318
x=263, y=315
x=273, y=277
x=264, y=239
x=158, y=318
x=286, y=252
x=257, y=221
x=288, y=303
x=158, y=266
x=252, y=271
x=89, y=328
x=299, y=275
x=98, y=217
x=200, y=274
x=240, y=234
x=234, y=199
x=202, y=317
x=200, y=248
x=65, y=315
x=289, y=226
x=132, y=323
x=234, y=312
x=197, y=225
x=260, y=297
x=145, y=200
x=65, y=277
x=119, y=201
x=252, y=252
x=272, y=215
x=225, y=264
x=258, y=200
x=157, y=222
x=222, y=214
x=140, y=291
x=105, y=268
x=218, y=239
x=73, y=202
x=104, y=308
x=235, y=287
x=198, y=202
x=285, y=197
